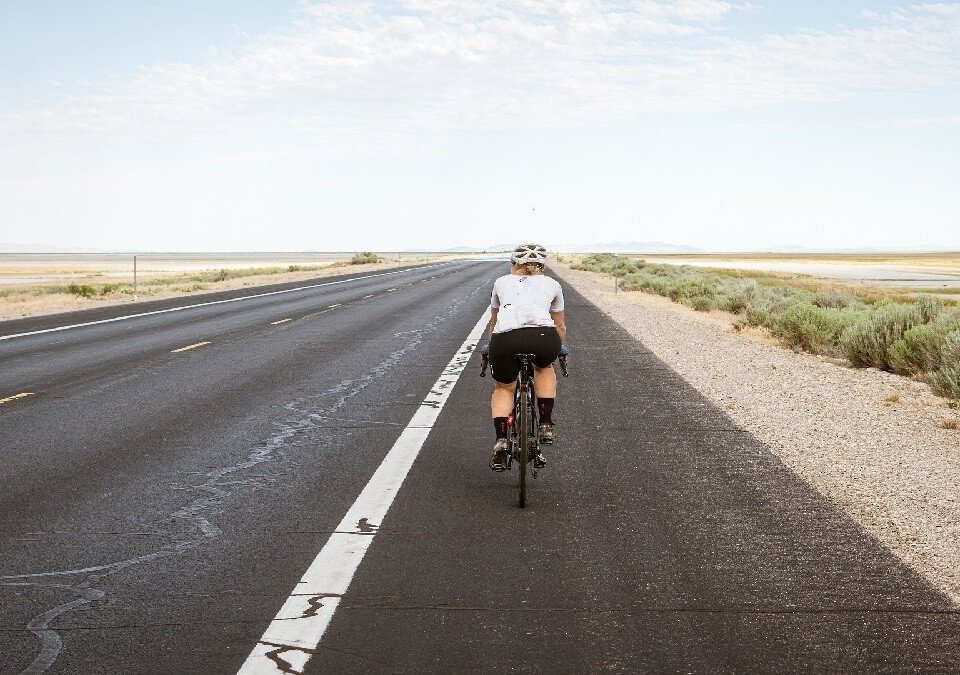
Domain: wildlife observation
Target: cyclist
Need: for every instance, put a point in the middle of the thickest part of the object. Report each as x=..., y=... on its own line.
x=526, y=318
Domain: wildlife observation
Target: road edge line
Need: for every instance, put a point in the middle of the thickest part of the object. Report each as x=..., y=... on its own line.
x=293, y=635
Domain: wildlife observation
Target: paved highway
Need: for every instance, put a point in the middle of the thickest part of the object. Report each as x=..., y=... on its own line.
x=203, y=491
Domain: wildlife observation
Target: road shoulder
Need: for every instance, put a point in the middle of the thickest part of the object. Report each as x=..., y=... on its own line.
x=869, y=441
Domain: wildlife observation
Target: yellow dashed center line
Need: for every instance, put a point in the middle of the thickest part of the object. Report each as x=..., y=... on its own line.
x=16, y=396
x=274, y=323
x=193, y=346
x=367, y=296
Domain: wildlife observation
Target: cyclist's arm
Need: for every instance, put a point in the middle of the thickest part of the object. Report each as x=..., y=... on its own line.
x=493, y=321
x=561, y=324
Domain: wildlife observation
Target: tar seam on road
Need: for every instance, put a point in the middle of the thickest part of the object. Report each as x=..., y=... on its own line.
x=207, y=304
x=293, y=635
x=16, y=396
x=193, y=346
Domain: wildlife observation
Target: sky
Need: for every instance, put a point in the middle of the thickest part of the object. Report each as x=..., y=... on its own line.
x=226, y=125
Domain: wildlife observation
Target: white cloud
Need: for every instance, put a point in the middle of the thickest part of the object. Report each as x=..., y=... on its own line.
x=449, y=64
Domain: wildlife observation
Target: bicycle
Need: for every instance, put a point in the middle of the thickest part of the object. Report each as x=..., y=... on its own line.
x=524, y=438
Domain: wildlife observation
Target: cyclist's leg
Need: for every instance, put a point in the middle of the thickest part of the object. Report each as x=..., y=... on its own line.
x=504, y=369
x=545, y=382
x=501, y=401
x=546, y=346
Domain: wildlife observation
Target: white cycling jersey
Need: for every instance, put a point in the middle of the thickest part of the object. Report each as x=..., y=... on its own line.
x=525, y=301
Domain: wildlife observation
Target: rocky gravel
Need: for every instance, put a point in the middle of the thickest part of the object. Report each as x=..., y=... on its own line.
x=872, y=442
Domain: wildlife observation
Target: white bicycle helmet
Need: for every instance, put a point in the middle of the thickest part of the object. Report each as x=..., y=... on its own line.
x=529, y=253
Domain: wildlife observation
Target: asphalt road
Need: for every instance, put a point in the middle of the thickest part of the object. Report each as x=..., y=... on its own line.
x=159, y=506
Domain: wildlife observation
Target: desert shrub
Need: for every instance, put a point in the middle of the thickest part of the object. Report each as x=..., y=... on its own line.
x=815, y=328
x=83, y=290
x=702, y=303
x=612, y=264
x=364, y=258
x=688, y=289
x=736, y=303
x=946, y=379
x=929, y=307
x=834, y=298
x=757, y=316
x=866, y=342
x=107, y=289
x=920, y=350
x=294, y=268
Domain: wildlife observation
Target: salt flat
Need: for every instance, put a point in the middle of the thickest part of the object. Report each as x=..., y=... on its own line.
x=932, y=272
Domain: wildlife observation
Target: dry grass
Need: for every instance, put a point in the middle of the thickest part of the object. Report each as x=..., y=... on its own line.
x=949, y=424
x=98, y=289
x=891, y=399
x=946, y=259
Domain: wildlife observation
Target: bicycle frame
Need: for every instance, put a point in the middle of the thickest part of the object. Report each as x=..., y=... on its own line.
x=524, y=427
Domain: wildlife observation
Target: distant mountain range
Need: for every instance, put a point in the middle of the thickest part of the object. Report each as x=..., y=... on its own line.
x=612, y=247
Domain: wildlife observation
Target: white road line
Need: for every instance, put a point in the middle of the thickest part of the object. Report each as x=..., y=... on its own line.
x=189, y=347
x=276, y=323
x=295, y=632
x=16, y=396
x=212, y=302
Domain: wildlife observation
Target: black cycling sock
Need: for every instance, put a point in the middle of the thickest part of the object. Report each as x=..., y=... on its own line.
x=545, y=408
x=502, y=425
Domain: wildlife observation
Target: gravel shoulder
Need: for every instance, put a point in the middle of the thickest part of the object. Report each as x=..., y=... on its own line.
x=870, y=441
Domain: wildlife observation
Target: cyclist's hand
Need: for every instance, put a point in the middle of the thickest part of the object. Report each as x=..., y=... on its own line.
x=563, y=350
x=485, y=349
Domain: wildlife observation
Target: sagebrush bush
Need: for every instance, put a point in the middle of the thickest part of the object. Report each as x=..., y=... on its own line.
x=920, y=349
x=946, y=379
x=364, y=257
x=834, y=298
x=735, y=304
x=867, y=341
x=83, y=290
x=702, y=303
x=929, y=307
x=815, y=328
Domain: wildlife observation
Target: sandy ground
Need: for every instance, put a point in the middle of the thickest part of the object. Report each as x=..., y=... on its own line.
x=19, y=305
x=872, y=442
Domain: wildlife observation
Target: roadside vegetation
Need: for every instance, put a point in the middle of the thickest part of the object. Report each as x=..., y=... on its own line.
x=914, y=336
x=93, y=287
x=364, y=258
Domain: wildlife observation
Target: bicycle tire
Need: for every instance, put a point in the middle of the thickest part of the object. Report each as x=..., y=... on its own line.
x=523, y=419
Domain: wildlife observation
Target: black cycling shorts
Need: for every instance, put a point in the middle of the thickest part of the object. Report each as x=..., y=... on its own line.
x=542, y=342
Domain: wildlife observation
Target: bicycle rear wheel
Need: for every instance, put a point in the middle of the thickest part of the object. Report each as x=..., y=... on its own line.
x=524, y=438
